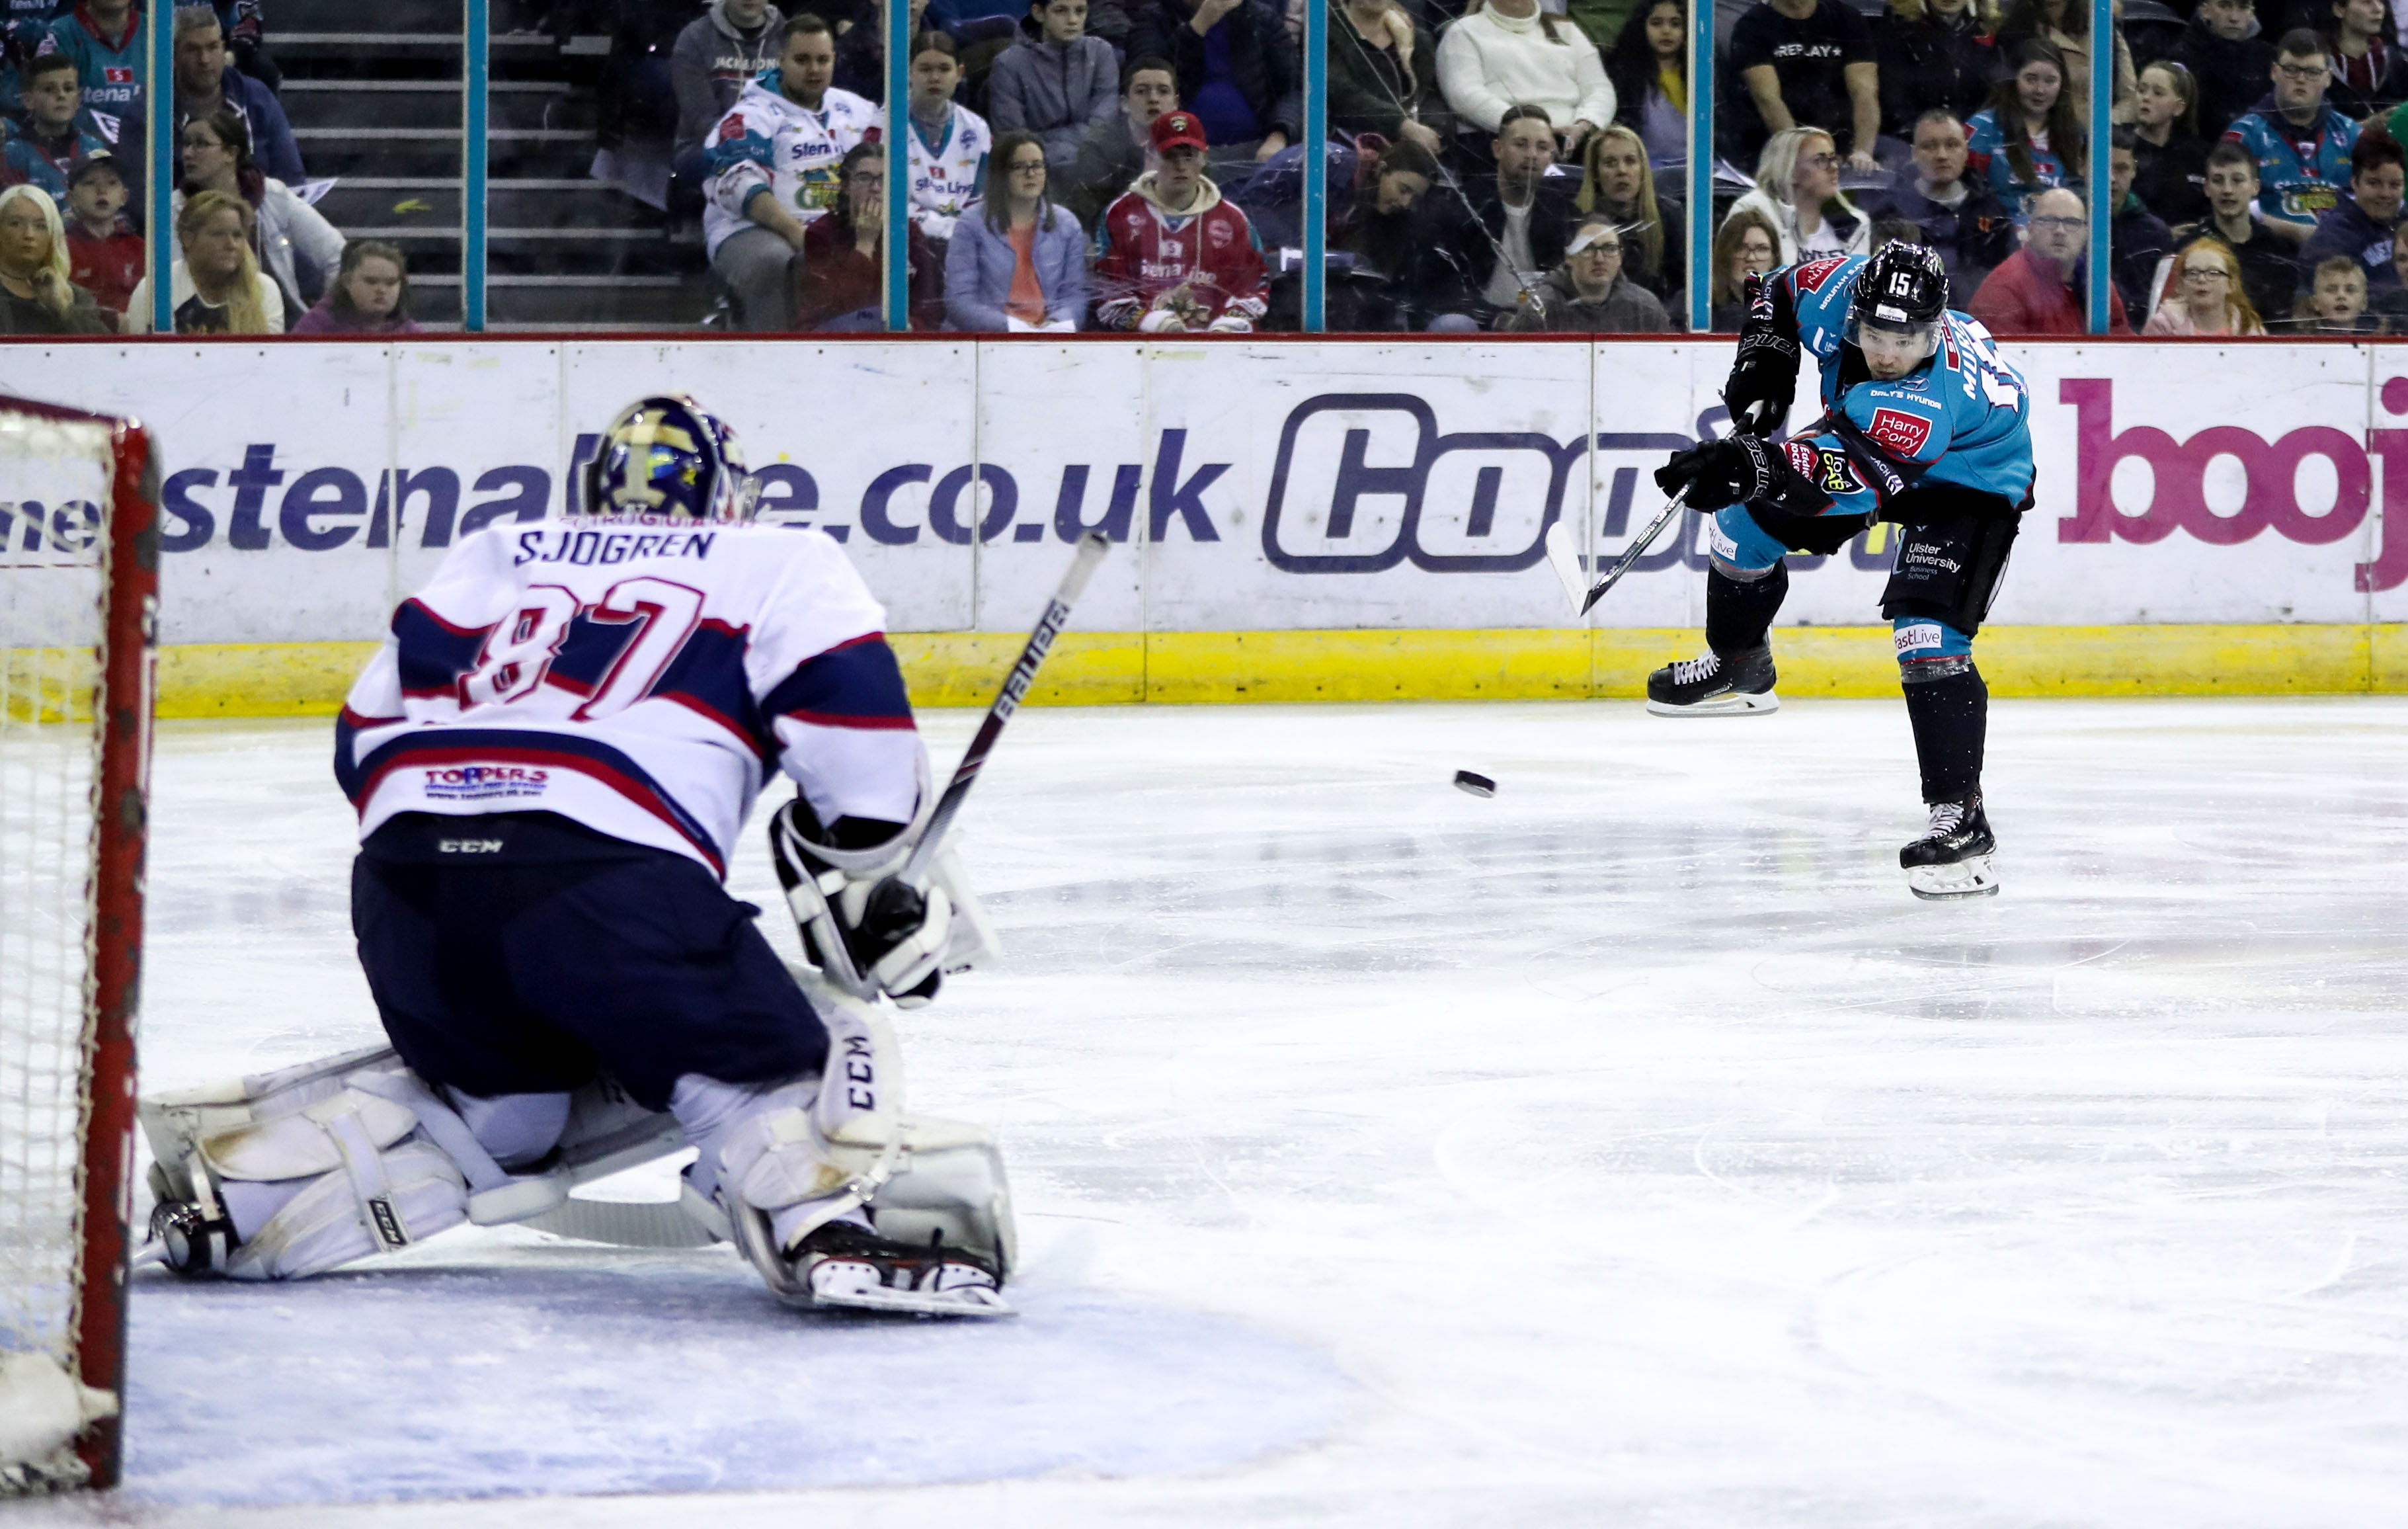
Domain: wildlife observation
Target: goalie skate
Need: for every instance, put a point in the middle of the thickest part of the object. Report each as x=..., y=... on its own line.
x=1952, y=860
x=843, y=1266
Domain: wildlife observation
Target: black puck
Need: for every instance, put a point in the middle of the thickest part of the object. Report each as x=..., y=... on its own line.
x=1479, y=785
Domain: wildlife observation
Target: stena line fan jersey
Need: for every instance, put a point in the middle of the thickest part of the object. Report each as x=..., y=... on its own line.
x=640, y=674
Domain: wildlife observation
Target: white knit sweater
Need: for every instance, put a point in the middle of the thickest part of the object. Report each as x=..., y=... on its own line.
x=1488, y=63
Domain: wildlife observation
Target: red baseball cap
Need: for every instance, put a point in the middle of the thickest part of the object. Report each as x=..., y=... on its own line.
x=1173, y=128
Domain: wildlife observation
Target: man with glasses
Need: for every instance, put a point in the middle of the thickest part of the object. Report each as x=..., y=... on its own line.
x=1588, y=294
x=2044, y=288
x=2301, y=145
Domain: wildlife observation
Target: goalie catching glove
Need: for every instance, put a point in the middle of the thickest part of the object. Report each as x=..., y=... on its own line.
x=864, y=925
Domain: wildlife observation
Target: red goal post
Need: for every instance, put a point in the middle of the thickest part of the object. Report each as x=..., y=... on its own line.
x=79, y=622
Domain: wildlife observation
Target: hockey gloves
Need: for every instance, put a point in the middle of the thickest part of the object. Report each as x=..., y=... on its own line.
x=861, y=924
x=1764, y=379
x=1718, y=473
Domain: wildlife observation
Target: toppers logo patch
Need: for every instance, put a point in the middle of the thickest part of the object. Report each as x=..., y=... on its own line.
x=1895, y=430
x=1811, y=275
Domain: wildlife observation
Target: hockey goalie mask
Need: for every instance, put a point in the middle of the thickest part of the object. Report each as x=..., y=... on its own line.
x=668, y=455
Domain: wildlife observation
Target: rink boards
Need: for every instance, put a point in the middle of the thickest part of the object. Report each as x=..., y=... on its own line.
x=1338, y=520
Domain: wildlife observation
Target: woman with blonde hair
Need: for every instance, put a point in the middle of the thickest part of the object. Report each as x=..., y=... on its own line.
x=2206, y=297
x=1617, y=181
x=1748, y=245
x=1798, y=192
x=36, y=297
x=216, y=288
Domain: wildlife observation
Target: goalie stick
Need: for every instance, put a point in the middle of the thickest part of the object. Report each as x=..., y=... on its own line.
x=1566, y=563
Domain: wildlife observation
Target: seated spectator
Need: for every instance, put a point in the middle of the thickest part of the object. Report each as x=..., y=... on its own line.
x=1149, y=275
x=1506, y=232
x=773, y=168
x=59, y=132
x=2301, y=145
x=297, y=246
x=1654, y=224
x=35, y=296
x=2029, y=137
x=2171, y=155
x=369, y=294
x=2065, y=27
x=104, y=39
x=1748, y=245
x=216, y=288
x=1588, y=294
x=2370, y=69
x=1237, y=70
x=1055, y=81
x=1017, y=262
x=2042, y=289
x=1272, y=197
x=1116, y=151
x=2391, y=304
x=1807, y=63
x=2269, y=274
x=2224, y=53
x=2361, y=228
x=244, y=24
x=1648, y=66
x=1508, y=56
x=1934, y=55
x=104, y=255
x=709, y=65
x=2336, y=305
x=2207, y=298
x=2139, y=240
x=1798, y=191
x=840, y=281
x=1381, y=69
x=206, y=84
x=949, y=143
x=1959, y=219
x=1378, y=237
x=1380, y=222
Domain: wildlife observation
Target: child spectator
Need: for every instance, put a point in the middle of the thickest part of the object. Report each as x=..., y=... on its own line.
x=2391, y=304
x=1968, y=228
x=2029, y=137
x=1054, y=80
x=2223, y=51
x=2361, y=228
x=297, y=246
x=839, y=282
x=1381, y=67
x=1237, y=70
x=1798, y=192
x=60, y=132
x=104, y=255
x=206, y=84
x=772, y=168
x=2269, y=274
x=216, y=288
x=2065, y=25
x=1588, y=294
x=1934, y=55
x=1748, y=245
x=2207, y=297
x=2336, y=305
x=1172, y=256
x=710, y=64
x=2042, y=289
x=104, y=39
x=2369, y=70
x=2172, y=157
x=35, y=296
x=369, y=294
x=1648, y=66
x=949, y=143
x=1618, y=183
x=1505, y=55
x=2300, y=144
x=1808, y=63
x=2137, y=239
x=1116, y=151
x=1017, y=262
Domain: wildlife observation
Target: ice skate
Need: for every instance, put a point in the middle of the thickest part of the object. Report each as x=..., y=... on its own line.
x=1953, y=857
x=1715, y=685
x=842, y=1265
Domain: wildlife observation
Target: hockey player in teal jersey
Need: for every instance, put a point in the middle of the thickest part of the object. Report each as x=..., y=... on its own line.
x=1924, y=425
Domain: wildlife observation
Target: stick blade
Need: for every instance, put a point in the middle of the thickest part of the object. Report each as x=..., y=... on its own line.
x=1566, y=562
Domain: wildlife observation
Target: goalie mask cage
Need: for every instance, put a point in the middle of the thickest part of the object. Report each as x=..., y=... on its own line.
x=79, y=602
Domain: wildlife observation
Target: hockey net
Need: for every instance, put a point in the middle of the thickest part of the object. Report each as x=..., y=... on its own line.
x=78, y=581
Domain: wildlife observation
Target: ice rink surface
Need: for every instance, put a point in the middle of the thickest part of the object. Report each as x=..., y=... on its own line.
x=1628, y=1149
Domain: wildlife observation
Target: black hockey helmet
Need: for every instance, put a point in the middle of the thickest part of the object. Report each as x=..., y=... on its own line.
x=1902, y=290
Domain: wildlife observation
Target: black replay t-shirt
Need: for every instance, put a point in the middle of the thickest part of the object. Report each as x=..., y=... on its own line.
x=1809, y=56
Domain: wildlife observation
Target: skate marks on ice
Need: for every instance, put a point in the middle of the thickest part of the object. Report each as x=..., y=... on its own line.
x=557, y=1370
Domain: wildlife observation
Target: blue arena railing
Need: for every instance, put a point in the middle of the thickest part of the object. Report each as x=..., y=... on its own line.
x=1701, y=164
x=475, y=75
x=160, y=114
x=2098, y=265
x=1315, y=210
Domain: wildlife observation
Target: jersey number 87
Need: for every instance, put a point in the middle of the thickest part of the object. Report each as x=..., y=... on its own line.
x=519, y=652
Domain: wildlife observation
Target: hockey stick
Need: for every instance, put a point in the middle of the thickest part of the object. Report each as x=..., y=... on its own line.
x=1566, y=563
x=1092, y=548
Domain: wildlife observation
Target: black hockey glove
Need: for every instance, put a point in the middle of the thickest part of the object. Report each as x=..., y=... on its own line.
x=1764, y=379
x=1718, y=473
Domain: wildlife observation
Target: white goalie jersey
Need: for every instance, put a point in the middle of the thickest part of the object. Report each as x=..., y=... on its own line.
x=641, y=675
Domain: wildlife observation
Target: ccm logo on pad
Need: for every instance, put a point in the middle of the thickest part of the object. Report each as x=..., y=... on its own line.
x=469, y=847
x=1897, y=431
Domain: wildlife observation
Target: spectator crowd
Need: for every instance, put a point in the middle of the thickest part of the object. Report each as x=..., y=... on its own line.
x=1491, y=165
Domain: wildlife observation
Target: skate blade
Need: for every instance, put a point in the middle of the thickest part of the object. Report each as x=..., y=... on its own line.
x=969, y=1301
x=1734, y=704
x=1971, y=877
